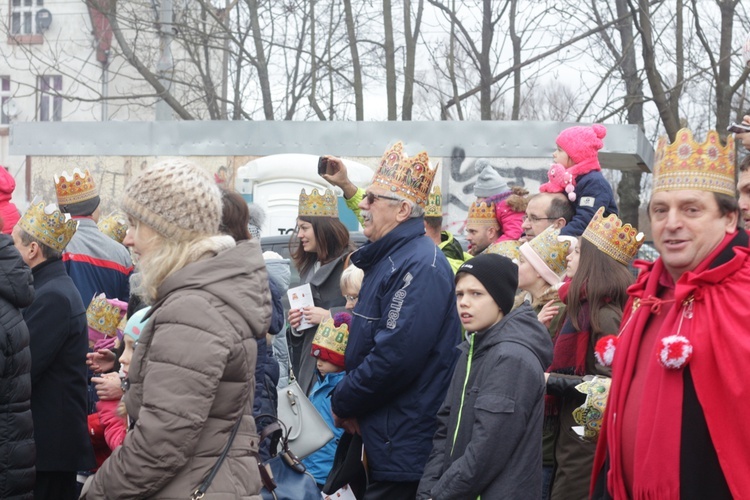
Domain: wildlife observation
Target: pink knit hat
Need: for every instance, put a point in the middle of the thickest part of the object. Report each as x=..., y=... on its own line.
x=582, y=143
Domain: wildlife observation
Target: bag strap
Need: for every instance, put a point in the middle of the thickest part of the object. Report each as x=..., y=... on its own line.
x=201, y=491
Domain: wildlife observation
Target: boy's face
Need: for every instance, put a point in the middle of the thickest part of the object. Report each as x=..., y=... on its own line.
x=326, y=367
x=476, y=308
x=127, y=353
x=351, y=295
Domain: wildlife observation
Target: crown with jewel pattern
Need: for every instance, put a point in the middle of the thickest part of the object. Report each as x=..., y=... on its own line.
x=619, y=241
x=329, y=343
x=103, y=317
x=434, y=206
x=48, y=225
x=687, y=164
x=506, y=248
x=410, y=177
x=115, y=225
x=482, y=214
x=318, y=205
x=75, y=188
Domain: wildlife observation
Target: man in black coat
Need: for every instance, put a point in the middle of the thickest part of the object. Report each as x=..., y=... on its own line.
x=57, y=326
x=16, y=425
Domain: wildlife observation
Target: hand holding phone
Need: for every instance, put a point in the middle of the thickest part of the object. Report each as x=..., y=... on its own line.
x=322, y=165
x=738, y=128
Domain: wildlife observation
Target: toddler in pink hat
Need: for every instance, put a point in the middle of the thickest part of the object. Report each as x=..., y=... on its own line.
x=577, y=172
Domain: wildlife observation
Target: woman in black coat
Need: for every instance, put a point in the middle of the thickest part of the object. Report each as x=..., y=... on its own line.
x=17, y=450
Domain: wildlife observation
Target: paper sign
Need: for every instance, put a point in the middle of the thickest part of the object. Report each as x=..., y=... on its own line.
x=300, y=297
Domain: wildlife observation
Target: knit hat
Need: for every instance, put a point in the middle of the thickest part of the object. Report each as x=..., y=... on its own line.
x=488, y=181
x=136, y=323
x=176, y=198
x=582, y=143
x=331, y=337
x=547, y=254
x=77, y=194
x=257, y=218
x=498, y=274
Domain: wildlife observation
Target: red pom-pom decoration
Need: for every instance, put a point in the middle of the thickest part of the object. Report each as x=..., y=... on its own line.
x=675, y=352
x=604, y=351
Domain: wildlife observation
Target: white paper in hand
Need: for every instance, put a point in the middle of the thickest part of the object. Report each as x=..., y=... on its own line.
x=300, y=297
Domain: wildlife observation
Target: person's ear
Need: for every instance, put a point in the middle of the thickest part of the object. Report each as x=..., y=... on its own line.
x=404, y=211
x=559, y=223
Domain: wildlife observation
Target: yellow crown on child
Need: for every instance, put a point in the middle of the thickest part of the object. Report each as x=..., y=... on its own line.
x=75, y=188
x=482, y=214
x=619, y=241
x=405, y=176
x=687, y=164
x=48, y=225
x=115, y=225
x=329, y=342
x=103, y=316
x=434, y=206
x=318, y=205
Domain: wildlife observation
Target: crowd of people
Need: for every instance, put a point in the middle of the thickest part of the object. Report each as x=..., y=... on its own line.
x=142, y=352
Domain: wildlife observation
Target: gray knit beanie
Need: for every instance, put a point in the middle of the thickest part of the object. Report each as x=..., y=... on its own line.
x=176, y=198
x=488, y=181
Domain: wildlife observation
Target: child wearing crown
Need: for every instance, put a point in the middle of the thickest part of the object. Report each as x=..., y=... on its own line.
x=595, y=298
x=577, y=172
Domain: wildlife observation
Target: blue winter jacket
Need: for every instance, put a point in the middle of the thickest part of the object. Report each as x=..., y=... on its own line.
x=401, y=351
x=320, y=462
x=592, y=191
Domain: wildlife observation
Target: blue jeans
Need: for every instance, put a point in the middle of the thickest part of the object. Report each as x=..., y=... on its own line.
x=547, y=475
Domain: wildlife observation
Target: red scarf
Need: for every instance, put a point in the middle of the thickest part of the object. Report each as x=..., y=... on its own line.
x=571, y=345
x=718, y=331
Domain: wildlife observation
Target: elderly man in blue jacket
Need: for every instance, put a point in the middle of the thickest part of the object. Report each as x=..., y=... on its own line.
x=405, y=330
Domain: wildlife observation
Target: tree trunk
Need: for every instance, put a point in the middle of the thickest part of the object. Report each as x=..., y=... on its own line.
x=359, y=101
x=390, y=61
x=516, y=41
x=485, y=69
x=411, y=53
x=260, y=63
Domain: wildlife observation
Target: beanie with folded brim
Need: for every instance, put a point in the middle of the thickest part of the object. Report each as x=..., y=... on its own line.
x=176, y=198
x=497, y=273
x=488, y=181
x=82, y=208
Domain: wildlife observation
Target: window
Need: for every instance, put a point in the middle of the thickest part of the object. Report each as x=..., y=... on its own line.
x=4, y=97
x=23, y=17
x=50, y=101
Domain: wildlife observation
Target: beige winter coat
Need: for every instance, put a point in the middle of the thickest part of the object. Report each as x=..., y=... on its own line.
x=191, y=377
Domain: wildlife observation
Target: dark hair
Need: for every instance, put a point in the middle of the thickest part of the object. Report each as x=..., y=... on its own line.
x=436, y=223
x=48, y=253
x=745, y=163
x=561, y=206
x=331, y=241
x=234, y=215
x=601, y=280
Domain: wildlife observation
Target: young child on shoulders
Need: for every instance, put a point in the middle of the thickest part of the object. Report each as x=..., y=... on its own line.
x=577, y=172
x=328, y=346
x=496, y=394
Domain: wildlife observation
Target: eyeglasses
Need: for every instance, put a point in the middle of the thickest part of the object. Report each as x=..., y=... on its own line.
x=535, y=219
x=372, y=198
x=351, y=298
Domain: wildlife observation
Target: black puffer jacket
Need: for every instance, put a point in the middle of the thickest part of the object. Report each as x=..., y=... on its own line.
x=17, y=451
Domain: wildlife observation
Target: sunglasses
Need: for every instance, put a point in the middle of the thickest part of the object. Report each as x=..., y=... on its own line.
x=372, y=198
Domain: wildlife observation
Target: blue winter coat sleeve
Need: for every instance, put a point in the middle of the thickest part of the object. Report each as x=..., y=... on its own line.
x=592, y=191
x=414, y=307
x=277, y=311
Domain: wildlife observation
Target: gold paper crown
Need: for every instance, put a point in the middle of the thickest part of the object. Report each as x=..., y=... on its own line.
x=317, y=205
x=408, y=177
x=621, y=242
x=76, y=188
x=48, y=225
x=551, y=250
x=506, y=248
x=104, y=316
x=686, y=164
x=434, y=206
x=115, y=225
x=332, y=339
x=482, y=214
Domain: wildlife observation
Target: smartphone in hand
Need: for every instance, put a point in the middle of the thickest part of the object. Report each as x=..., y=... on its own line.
x=322, y=165
x=738, y=128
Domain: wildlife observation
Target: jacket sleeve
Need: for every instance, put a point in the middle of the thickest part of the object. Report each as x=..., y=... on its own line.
x=502, y=410
x=114, y=425
x=592, y=192
x=434, y=467
x=408, y=329
x=49, y=321
x=353, y=204
x=186, y=358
